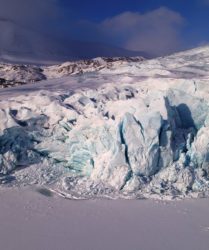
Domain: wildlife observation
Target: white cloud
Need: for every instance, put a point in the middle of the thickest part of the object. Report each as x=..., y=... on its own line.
x=157, y=31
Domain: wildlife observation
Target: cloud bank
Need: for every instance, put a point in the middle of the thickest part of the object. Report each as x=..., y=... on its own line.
x=157, y=32
x=31, y=13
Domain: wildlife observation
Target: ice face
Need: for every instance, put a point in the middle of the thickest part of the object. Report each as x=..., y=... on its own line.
x=115, y=139
x=143, y=139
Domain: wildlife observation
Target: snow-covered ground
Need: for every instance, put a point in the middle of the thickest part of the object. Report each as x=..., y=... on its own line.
x=127, y=128
x=32, y=221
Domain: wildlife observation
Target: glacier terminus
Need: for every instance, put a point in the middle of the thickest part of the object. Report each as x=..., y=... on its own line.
x=108, y=128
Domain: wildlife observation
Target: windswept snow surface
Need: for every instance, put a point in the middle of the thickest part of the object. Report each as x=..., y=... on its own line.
x=33, y=221
x=133, y=130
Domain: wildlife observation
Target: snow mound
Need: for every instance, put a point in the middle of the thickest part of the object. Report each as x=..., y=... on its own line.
x=145, y=138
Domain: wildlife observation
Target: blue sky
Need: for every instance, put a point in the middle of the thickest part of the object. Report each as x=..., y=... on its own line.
x=98, y=10
x=195, y=12
x=156, y=26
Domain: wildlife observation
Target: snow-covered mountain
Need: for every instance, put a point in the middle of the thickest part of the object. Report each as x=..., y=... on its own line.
x=123, y=128
x=20, y=44
x=13, y=74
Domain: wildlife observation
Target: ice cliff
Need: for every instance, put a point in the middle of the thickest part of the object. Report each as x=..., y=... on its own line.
x=146, y=135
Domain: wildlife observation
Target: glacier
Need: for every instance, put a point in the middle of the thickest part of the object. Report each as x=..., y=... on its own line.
x=128, y=129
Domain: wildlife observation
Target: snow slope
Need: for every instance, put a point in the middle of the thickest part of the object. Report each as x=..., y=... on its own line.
x=133, y=130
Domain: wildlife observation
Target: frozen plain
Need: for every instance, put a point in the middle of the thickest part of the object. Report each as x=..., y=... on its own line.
x=36, y=124
x=32, y=221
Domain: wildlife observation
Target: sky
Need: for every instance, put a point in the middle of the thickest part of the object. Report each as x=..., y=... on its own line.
x=158, y=27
